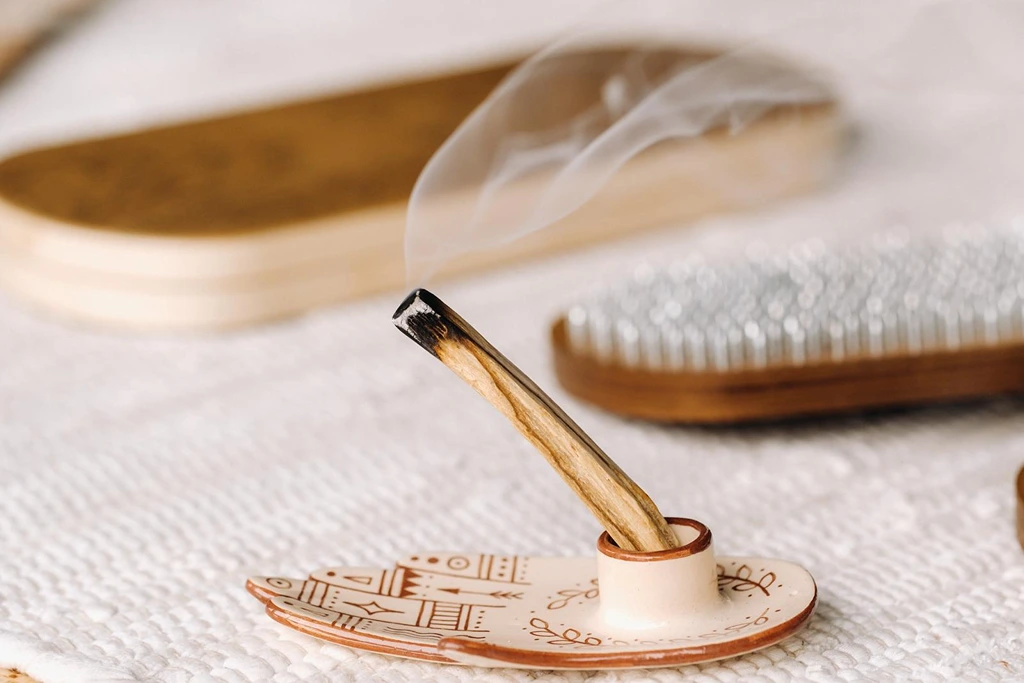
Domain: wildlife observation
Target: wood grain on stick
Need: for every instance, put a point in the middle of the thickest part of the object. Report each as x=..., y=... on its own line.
x=622, y=507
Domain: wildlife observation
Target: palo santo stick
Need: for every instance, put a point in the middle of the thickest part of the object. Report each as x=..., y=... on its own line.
x=622, y=507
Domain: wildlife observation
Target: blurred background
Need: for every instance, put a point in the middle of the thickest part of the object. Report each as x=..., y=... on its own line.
x=126, y=65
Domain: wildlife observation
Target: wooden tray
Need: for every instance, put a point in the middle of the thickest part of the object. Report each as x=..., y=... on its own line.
x=259, y=215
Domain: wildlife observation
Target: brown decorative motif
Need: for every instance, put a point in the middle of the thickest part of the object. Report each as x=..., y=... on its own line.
x=572, y=593
x=501, y=595
x=490, y=610
x=714, y=646
x=359, y=579
x=458, y=563
x=760, y=620
x=741, y=580
x=371, y=608
x=569, y=636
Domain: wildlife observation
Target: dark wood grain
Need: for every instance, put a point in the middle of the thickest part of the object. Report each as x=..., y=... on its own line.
x=622, y=507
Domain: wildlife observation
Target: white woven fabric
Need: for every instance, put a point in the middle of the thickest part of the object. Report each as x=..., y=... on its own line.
x=143, y=478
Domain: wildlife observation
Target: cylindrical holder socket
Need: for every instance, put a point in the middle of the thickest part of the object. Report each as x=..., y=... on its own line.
x=650, y=590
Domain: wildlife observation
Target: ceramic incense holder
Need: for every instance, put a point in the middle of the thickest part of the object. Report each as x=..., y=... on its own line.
x=656, y=595
x=623, y=610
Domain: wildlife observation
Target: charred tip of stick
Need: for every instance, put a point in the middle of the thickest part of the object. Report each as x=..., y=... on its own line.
x=421, y=317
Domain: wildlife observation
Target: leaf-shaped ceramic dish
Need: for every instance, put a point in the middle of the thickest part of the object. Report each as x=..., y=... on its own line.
x=652, y=609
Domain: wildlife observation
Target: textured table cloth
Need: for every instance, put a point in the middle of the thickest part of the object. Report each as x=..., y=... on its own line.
x=142, y=479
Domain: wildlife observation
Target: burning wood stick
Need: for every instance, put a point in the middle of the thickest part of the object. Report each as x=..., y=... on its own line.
x=622, y=507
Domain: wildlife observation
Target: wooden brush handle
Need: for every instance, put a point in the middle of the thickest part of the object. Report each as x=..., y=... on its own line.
x=622, y=507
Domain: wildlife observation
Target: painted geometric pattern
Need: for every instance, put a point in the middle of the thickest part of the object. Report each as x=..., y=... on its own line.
x=522, y=611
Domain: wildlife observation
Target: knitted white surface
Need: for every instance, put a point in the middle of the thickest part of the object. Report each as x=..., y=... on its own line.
x=143, y=478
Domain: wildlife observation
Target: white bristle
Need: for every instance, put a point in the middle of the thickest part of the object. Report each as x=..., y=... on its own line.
x=950, y=327
x=696, y=355
x=627, y=343
x=773, y=335
x=1006, y=310
x=673, y=354
x=968, y=325
x=735, y=339
x=811, y=305
x=875, y=340
x=795, y=341
x=990, y=318
x=599, y=331
x=576, y=328
x=837, y=341
x=755, y=346
x=890, y=332
x=929, y=330
x=852, y=328
x=910, y=331
x=719, y=351
x=651, y=348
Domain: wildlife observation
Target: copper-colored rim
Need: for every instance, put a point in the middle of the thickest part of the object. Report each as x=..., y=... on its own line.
x=377, y=643
x=617, y=660
x=606, y=546
x=554, y=660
